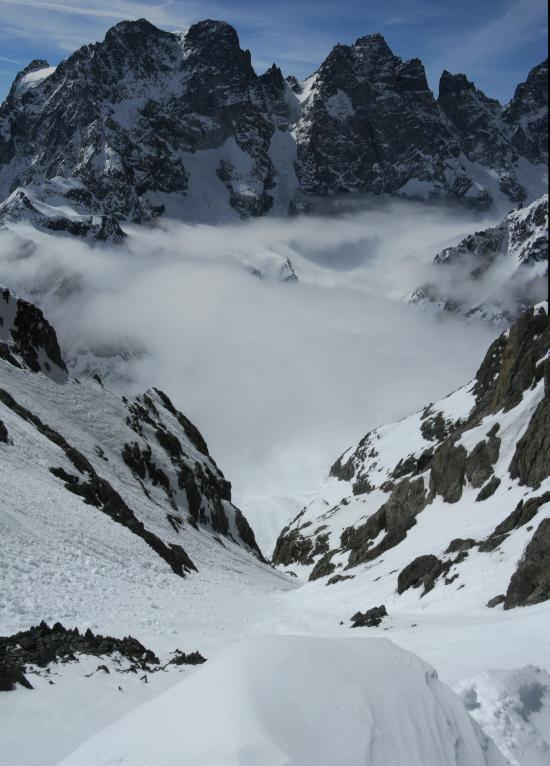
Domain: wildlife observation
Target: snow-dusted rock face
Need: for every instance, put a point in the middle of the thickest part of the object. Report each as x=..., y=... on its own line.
x=495, y=136
x=493, y=274
x=27, y=340
x=99, y=460
x=527, y=115
x=23, y=206
x=148, y=122
x=121, y=116
x=459, y=490
x=370, y=123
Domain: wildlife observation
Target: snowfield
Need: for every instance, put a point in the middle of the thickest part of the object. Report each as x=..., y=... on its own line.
x=299, y=701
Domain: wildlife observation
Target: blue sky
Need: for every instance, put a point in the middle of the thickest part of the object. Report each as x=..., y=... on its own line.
x=495, y=42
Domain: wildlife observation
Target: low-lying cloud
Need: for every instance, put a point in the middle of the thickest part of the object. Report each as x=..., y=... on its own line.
x=279, y=377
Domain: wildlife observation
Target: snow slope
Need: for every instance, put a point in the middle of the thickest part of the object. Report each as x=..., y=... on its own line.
x=64, y=559
x=440, y=483
x=265, y=702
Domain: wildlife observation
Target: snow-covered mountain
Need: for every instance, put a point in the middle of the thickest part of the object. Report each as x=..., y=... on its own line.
x=451, y=503
x=493, y=274
x=148, y=122
x=133, y=471
x=110, y=505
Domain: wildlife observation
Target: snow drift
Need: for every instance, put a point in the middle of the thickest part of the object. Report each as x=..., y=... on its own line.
x=253, y=706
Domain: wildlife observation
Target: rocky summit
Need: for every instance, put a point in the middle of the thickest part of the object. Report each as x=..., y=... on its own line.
x=149, y=123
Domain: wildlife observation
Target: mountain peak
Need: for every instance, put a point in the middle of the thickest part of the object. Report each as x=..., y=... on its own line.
x=212, y=31
x=375, y=39
x=133, y=30
x=34, y=66
x=451, y=83
x=375, y=43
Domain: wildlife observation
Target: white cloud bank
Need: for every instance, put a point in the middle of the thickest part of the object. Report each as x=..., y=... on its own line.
x=279, y=377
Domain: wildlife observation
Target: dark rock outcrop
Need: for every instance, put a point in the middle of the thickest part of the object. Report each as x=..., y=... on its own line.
x=524, y=512
x=323, y=567
x=530, y=583
x=459, y=544
x=27, y=339
x=422, y=572
x=480, y=461
x=531, y=461
x=448, y=471
x=396, y=516
x=191, y=658
x=512, y=364
x=369, y=619
x=488, y=490
x=42, y=645
x=526, y=117
x=292, y=547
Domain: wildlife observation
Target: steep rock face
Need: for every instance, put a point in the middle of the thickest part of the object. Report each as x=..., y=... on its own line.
x=530, y=583
x=27, y=340
x=493, y=274
x=527, y=115
x=138, y=463
x=118, y=118
x=371, y=123
x=419, y=497
x=477, y=124
x=148, y=122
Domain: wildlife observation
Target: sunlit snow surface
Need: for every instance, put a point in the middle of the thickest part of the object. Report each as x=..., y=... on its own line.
x=301, y=702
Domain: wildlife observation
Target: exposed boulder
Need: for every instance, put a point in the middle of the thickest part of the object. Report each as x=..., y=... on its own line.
x=182, y=658
x=459, y=544
x=422, y=572
x=339, y=578
x=489, y=489
x=369, y=619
